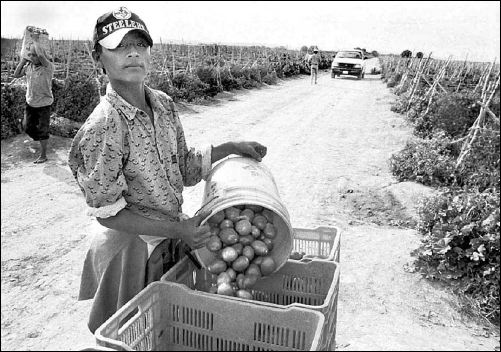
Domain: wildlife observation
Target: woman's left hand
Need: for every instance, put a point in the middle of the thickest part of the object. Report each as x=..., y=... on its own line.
x=253, y=150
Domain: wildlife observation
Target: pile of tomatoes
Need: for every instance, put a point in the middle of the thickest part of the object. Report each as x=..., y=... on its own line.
x=242, y=239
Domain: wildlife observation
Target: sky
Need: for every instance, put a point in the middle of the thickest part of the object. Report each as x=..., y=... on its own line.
x=445, y=28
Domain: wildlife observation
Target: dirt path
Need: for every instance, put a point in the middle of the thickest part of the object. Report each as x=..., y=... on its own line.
x=328, y=148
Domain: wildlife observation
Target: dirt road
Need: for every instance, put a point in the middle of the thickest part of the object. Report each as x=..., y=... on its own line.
x=328, y=148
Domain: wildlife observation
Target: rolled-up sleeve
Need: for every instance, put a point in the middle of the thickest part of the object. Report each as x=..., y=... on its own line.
x=96, y=160
x=194, y=164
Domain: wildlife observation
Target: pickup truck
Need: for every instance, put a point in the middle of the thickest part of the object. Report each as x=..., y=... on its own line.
x=349, y=62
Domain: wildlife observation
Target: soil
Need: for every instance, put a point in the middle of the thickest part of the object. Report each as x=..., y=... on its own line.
x=328, y=149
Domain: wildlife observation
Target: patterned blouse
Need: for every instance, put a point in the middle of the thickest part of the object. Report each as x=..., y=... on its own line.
x=121, y=160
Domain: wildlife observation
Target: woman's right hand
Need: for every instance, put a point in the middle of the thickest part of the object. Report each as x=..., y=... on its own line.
x=192, y=233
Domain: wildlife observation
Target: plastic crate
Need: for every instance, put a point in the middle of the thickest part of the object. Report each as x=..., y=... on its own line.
x=312, y=285
x=319, y=243
x=167, y=316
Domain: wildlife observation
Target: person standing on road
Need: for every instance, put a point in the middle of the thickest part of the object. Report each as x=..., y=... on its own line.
x=39, y=72
x=131, y=161
x=314, y=62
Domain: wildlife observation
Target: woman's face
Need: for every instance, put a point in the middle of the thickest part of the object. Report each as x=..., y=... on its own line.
x=129, y=61
x=32, y=56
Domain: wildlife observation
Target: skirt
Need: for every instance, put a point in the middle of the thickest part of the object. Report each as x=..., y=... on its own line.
x=117, y=268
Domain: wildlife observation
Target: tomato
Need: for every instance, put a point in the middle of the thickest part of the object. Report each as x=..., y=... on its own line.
x=217, y=267
x=243, y=227
x=216, y=218
x=232, y=273
x=214, y=244
x=232, y=213
x=226, y=224
x=267, y=266
x=228, y=236
x=253, y=269
x=247, y=213
x=244, y=294
x=238, y=247
x=269, y=243
x=259, y=247
x=223, y=277
x=255, y=208
x=229, y=254
x=240, y=264
x=240, y=279
x=258, y=260
x=249, y=281
x=225, y=289
x=255, y=232
x=248, y=252
x=270, y=231
x=260, y=222
x=269, y=215
x=246, y=240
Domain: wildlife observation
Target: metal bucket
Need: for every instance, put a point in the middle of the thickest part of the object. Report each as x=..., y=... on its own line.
x=239, y=181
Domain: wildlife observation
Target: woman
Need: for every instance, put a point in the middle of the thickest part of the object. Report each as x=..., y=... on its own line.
x=131, y=161
x=39, y=72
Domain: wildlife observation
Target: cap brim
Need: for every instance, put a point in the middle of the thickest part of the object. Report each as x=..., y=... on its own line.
x=112, y=40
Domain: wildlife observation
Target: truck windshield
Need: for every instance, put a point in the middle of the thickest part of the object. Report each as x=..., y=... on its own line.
x=349, y=54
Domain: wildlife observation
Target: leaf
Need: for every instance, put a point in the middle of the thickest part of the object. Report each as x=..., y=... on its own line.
x=444, y=250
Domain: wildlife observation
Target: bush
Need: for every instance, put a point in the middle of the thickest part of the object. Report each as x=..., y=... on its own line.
x=417, y=106
x=190, y=87
x=431, y=159
x=162, y=82
x=400, y=104
x=253, y=73
x=13, y=101
x=461, y=245
x=394, y=80
x=270, y=78
x=427, y=161
x=228, y=81
x=76, y=98
x=480, y=169
x=452, y=113
x=208, y=75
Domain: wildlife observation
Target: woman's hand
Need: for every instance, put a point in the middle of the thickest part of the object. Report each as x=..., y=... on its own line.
x=192, y=233
x=253, y=150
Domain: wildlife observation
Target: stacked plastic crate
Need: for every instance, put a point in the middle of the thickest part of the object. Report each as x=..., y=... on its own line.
x=294, y=308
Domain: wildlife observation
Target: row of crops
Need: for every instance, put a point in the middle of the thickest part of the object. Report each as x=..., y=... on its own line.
x=454, y=110
x=189, y=73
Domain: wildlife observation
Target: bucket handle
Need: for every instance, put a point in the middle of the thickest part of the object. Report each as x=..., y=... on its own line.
x=193, y=259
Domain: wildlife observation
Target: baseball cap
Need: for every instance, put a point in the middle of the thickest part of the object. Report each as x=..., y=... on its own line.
x=114, y=25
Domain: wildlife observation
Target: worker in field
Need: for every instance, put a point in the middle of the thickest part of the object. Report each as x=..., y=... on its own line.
x=39, y=72
x=131, y=161
x=314, y=62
